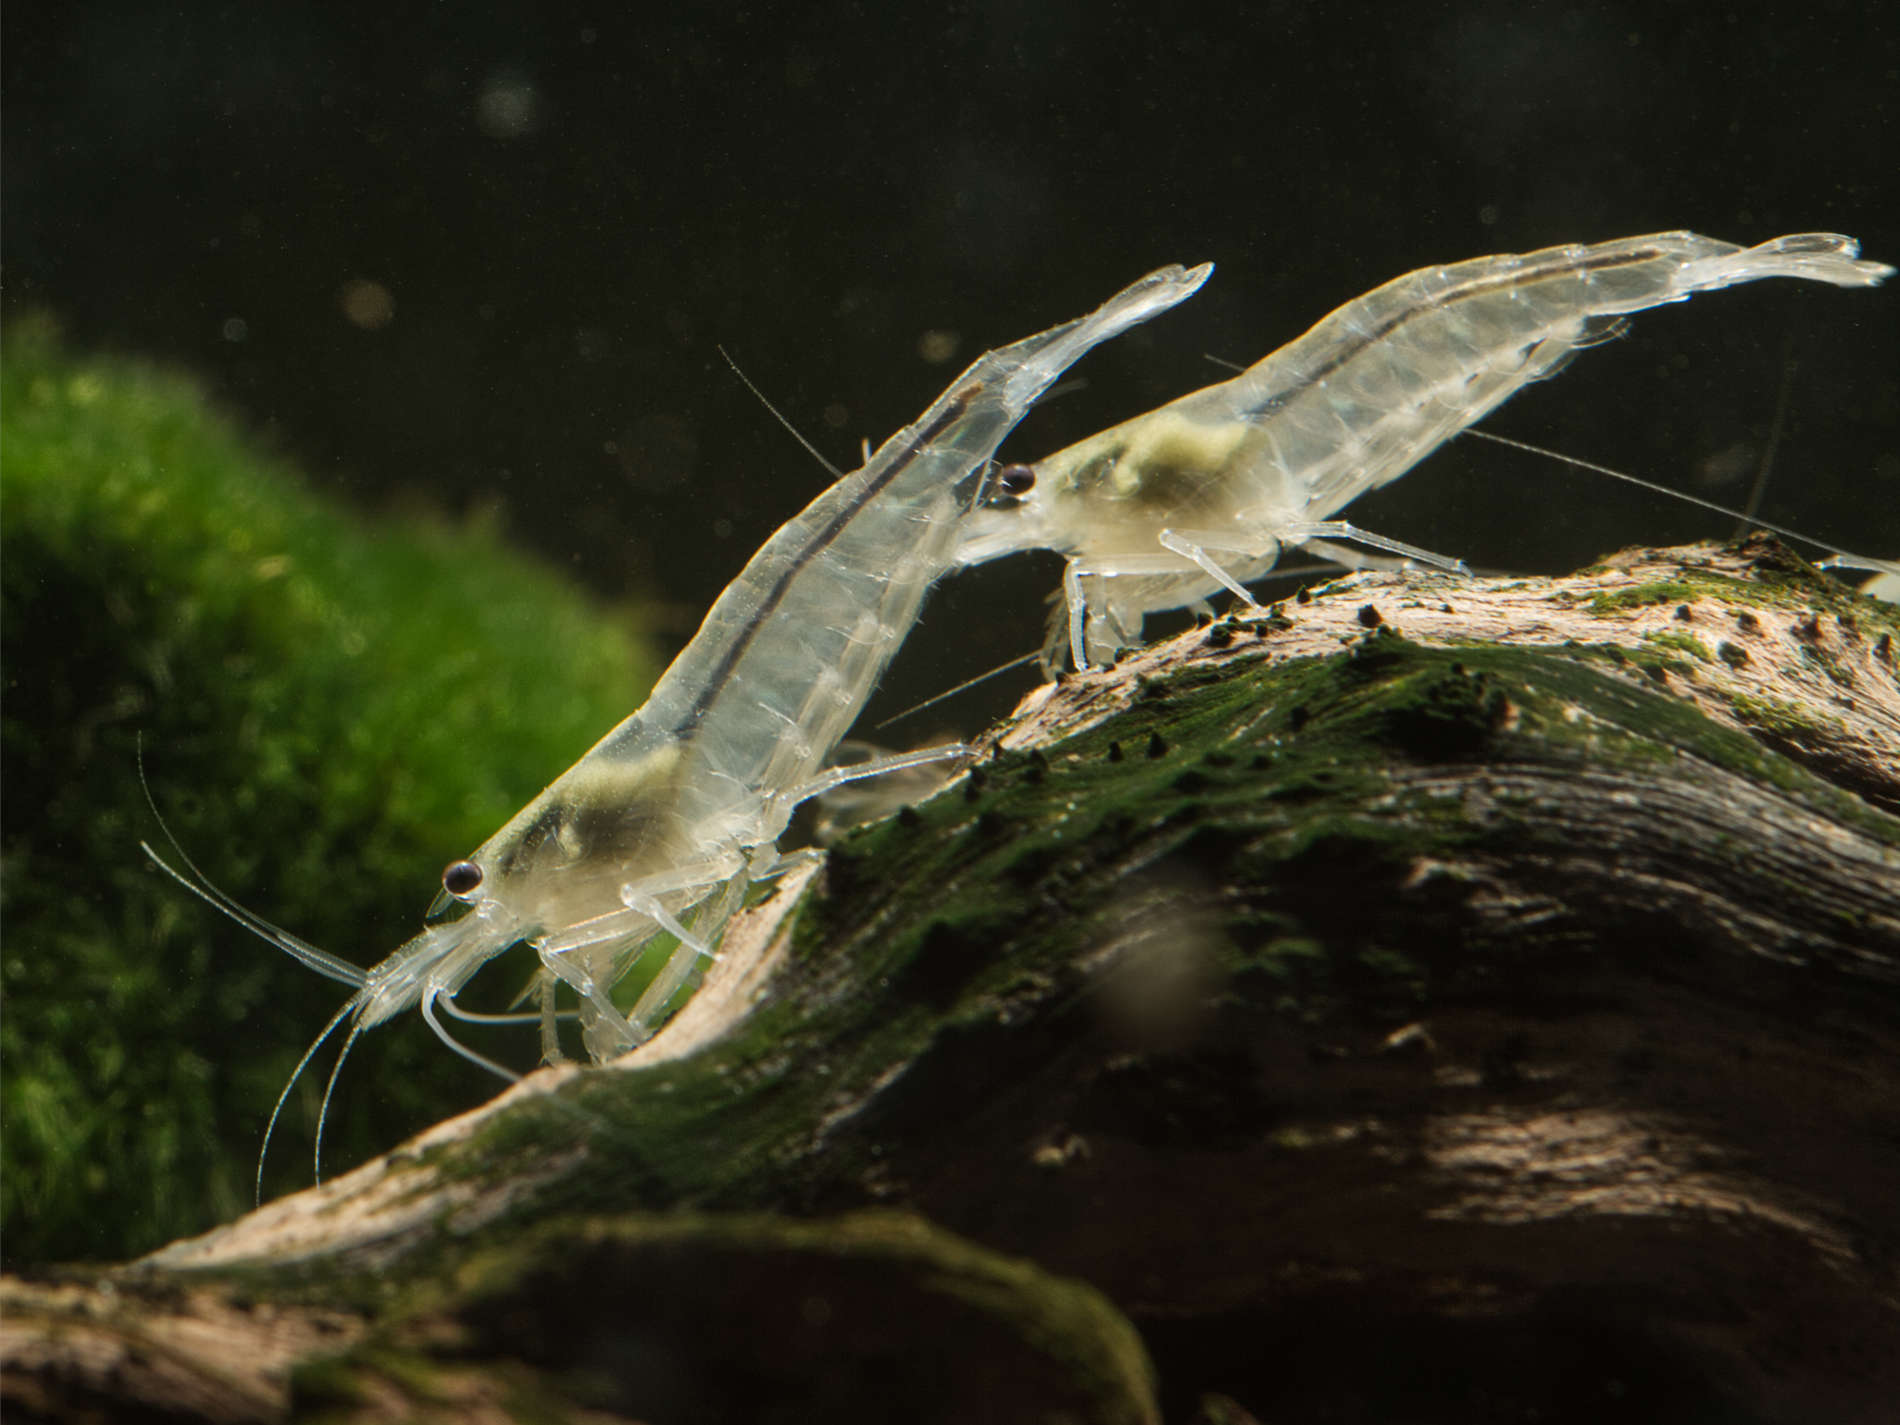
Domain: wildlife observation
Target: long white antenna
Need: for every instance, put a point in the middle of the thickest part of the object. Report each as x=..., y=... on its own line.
x=1856, y=561
x=299, y=949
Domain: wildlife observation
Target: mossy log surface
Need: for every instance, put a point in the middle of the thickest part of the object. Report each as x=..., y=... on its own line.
x=1429, y=1000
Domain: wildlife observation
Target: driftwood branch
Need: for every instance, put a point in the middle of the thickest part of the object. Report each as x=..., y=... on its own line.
x=1431, y=1000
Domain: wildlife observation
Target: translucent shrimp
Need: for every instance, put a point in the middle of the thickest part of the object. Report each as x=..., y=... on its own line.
x=1203, y=493
x=662, y=825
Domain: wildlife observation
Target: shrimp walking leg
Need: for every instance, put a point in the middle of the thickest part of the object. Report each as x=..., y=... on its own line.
x=1314, y=537
x=878, y=767
x=650, y=1009
x=650, y=906
x=1306, y=534
x=550, y=1023
x=692, y=880
x=1356, y=559
x=590, y=956
x=1194, y=544
x=1195, y=550
x=1100, y=625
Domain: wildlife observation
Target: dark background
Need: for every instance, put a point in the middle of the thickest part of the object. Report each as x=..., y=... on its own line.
x=475, y=256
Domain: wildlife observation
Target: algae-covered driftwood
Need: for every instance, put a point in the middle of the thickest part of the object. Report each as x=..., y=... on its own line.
x=1432, y=1000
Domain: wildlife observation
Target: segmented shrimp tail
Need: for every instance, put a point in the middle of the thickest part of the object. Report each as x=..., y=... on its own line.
x=1814, y=257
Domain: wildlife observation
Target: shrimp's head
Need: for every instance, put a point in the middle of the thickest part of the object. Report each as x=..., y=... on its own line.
x=439, y=961
x=1010, y=519
x=613, y=817
x=559, y=862
x=1114, y=492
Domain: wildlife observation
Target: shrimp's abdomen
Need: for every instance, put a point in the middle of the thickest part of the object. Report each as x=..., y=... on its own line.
x=1375, y=386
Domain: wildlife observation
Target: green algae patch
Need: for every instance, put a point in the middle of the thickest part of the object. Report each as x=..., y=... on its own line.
x=734, y=1316
x=1779, y=579
x=330, y=708
x=1776, y=716
x=1683, y=643
x=1642, y=596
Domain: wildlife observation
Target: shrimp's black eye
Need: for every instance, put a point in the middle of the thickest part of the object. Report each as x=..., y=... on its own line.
x=1016, y=479
x=461, y=878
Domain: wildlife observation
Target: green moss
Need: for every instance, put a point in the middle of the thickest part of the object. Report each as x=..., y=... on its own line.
x=1682, y=642
x=329, y=710
x=1774, y=715
x=1662, y=591
x=328, y=1388
x=1780, y=579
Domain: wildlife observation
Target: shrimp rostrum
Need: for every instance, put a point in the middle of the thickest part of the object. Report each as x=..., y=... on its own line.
x=1205, y=492
x=657, y=831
